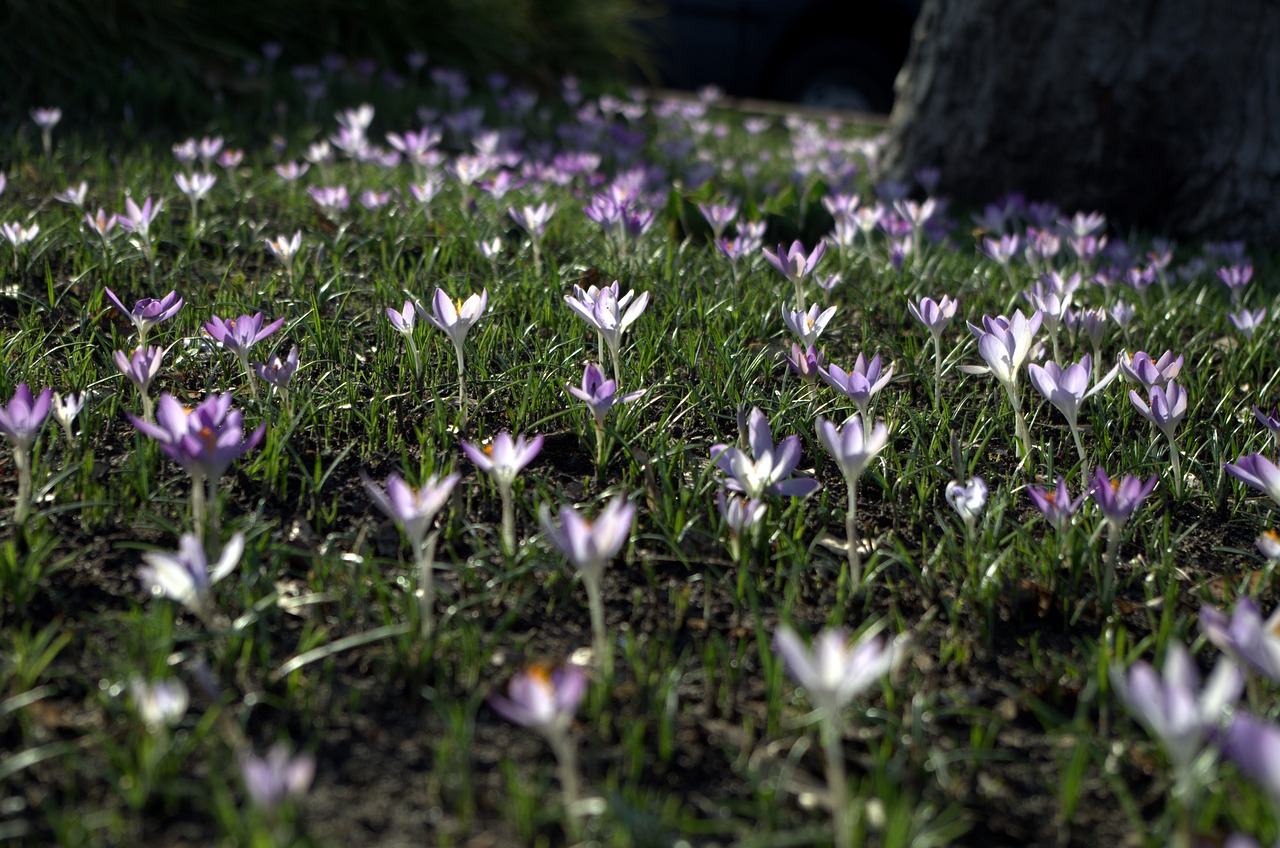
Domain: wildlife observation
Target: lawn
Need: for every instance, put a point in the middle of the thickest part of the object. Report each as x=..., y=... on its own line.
x=244, y=605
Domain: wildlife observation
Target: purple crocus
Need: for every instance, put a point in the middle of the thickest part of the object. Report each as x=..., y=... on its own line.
x=415, y=511
x=862, y=383
x=968, y=499
x=1245, y=636
x=1005, y=344
x=1056, y=506
x=1257, y=471
x=1254, y=746
x=455, y=319
x=1167, y=409
x=806, y=363
x=853, y=449
x=768, y=467
x=935, y=316
x=1174, y=708
x=740, y=514
x=1269, y=420
x=138, y=219
x=238, y=335
x=1247, y=321
x=600, y=395
x=588, y=546
x=271, y=780
x=20, y=422
x=604, y=313
x=1068, y=388
x=278, y=373
x=140, y=368
x=187, y=576
x=836, y=670
x=1141, y=368
x=795, y=264
x=148, y=312
x=1119, y=498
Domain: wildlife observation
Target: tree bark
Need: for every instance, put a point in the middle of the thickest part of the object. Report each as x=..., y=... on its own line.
x=1164, y=114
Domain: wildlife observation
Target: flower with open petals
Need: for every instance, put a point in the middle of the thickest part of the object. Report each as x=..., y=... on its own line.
x=851, y=446
x=138, y=219
x=1119, y=498
x=1056, y=506
x=141, y=366
x=541, y=699
x=808, y=325
x=605, y=315
x=271, y=780
x=148, y=312
x=862, y=383
x=1141, y=368
x=1005, y=344
x=600, y=395
x=1167, y=409
x=934, y=315
x=161, y=704
x=1174, y=708
x=1245, y=636
x=968, y=498
x=835, y=670
x=455, y=318
x=204, y=440
x=187, y=577
x=1068, y=388
x=768, y=467
x=504, y=457
x=793, y=262
x=589, y=545
x=278, y=372
x=239, y=334
x=413, y=509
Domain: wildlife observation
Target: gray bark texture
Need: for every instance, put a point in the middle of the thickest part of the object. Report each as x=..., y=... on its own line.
x=1165, y=114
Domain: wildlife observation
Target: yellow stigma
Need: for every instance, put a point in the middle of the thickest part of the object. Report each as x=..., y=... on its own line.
x=1115, y=485
x=488, y=450
x=540, y=673
x=458, y=305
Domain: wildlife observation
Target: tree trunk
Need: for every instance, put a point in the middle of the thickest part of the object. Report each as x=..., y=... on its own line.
x=1162, y=113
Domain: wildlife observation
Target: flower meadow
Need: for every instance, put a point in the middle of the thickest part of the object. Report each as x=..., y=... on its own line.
x=571, y=468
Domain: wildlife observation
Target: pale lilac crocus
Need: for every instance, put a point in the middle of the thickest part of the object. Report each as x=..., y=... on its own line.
x=740, y=515
x=503, y=459
x=140, y=368
x=1173, y=706
x=806, y=363
x=1247, y=321
x=403, y=321
x=834, y=672
x=1257, y=471
x=588, y=546
x=1005, y=344
x=545, y=701
x=719, y=216
x=147, y=312
x=1167, y=408
x=768, y=468
x=160, y=705
x=65, y=409
x=600, y=396
x=279, y=776
x=285, y=248
x=606, y=316
x=187, y=576
x=1268, y=544
x=968, y=499
x=1068, y=388
x=795, y=264
x=862, y=383
x=808, y=325
x=1056, y=506
x=46, y=118
x=74, y=195
x=1142, y=369
x=1245, y=636
x=196, y=187
x=238, y=335
x=414, y=510
x=138, y=220
x=20, y=422
x=204, y=440
x=935, y=316
x=456, y=318
x=278, y=373
x=853, y=449
x=102, y=223
x=1254, y=746
x=1117, y=499
x=534, y=220
x=1269, y=420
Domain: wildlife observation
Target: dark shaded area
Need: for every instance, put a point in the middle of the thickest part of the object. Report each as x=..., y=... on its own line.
x=164, y=61
x=817, y=52
x=1159, y=113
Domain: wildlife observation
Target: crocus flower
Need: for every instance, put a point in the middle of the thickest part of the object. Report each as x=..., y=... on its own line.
x=1174, y=708
x=1254, y=746
x=1248, y=320
x=533, y=219
x=853, y=449
x=605, y=315
x=1119, y=498
x=600, y=395
x=138, y=219
x=285, y=248
x=161, y=704
x=1005, y=344
x=66, y=408
x=1245, y=636
x=806, y=363
x=403, y=321
x=546, y=702
x=1168, y=408
x=795, y=264
x=768, y=468
x=1271, y=421
x=1142, y=369
x=1056, y=506
x=101, y=223
x=503, y=459
x=276, y=372
x=18, y=235
x=833, y=673
x=187, y=576
x=1068, y=388
x=1257, y=471
x=195, y=186
x=415, y=510
x=148, y=312
x=588, y=546
x=719, y=216
x=968, y=498
x=271, y=780
x=455, y=319
x=740, y=514
x=808, y=325
x=862, y=383
x=140, y=368
x=46, y=118
x=74, y=195
x=1268, y=544
x=934, y=315
x=22, y=417
x=836, y=670
x=238, y=335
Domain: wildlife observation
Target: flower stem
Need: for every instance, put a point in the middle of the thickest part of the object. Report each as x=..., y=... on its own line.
x=1113, y=556
x=837, y=780
x=417, y=360
x=599, y=638
x=426, y=584
x=567, y=767
x=508, y=520
x=599, y=448
x=197, y=505
x=22, y=508
x=1075, y=434
x=851, y=538
x=1176, y=460
x=937, y=371
x=462, y=388
x=1020, y=423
